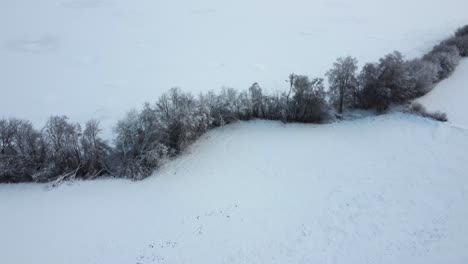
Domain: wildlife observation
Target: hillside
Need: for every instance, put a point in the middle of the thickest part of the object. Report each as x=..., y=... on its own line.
x=450, y=96
x=377, y=190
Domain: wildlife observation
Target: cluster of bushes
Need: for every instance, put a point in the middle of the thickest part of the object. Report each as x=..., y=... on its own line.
x=162, y=130
x=393, y=80
x=144, y=139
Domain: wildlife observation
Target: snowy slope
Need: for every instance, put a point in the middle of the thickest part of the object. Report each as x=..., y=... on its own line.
x=388, y=189
x=450, y=96
x=100, y=58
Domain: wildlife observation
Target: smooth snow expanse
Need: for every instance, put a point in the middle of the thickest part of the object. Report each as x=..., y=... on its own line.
x=100, y=58
x=386, y=189
x=450, y=96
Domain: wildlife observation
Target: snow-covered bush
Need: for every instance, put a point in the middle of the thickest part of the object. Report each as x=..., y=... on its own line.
x=419, y=109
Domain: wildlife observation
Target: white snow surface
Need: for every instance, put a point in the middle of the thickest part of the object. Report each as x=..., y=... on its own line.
x=450, y=96
x=100, y=58
x=386, y=189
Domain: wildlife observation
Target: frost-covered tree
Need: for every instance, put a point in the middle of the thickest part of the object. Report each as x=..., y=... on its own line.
x=139, y=143
x=343, y=82
x=276, y=106
x=256, y=97
x=244, y=106
x=308, y=100
x=460, y=42
x=394, y=77
x=145, y=139
x=462, y=31
x=6, y=136
x=96, y=151
x=21, y=151
x=445, y=58
x=421, y=76
x=183, y=117
x=391, y=80
x=371, y=93
x=209, y=102
x=64, y=157
x=59, y=152
x=228, y=105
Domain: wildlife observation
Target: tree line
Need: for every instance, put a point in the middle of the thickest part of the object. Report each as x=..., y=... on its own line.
x=144, y=139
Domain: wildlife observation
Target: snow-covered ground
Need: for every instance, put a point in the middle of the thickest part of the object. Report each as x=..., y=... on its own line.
x=100, y=58
x=386, y=189
x=450, y=96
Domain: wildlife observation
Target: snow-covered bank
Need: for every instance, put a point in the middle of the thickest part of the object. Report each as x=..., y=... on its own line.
x=450, y=96
x=387, y=189
x=100, y=58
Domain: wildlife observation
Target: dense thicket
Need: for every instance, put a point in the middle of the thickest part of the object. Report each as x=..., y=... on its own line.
x=61, y=150
x=161, y=130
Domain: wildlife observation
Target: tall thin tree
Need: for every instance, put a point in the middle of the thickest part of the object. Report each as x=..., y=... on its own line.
x=343, y=83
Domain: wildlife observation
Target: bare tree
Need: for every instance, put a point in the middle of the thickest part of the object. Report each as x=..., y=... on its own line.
x=95, y=151
x=342, y=82
x=308, y=103
x=63, y=142
x=256, y=97
x=21, y=151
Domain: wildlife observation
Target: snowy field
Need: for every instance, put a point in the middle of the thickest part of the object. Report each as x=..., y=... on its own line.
x=100, y=58
x=387, y=189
